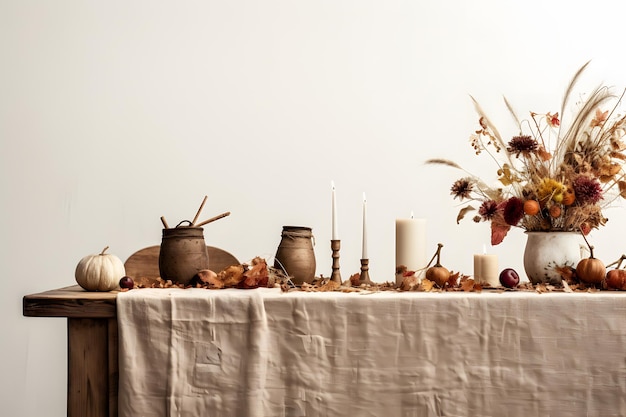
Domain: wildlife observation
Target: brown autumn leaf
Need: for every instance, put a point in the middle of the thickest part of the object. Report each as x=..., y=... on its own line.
x=232, y=275
x=506, y=176
x=617, y=155
x=463, y=212
x=409, y=283
x=467, y=285
x=543, y=153
x=427, y=285
x=355, y=279
x=209, y=278
x=499, y=230
x=453, y=279
x=329, y=286
x=256, y=276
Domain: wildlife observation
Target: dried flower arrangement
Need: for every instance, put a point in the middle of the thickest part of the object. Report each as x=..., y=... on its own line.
x=552, y=179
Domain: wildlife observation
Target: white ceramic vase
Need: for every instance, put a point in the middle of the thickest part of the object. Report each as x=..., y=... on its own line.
x=547, y=254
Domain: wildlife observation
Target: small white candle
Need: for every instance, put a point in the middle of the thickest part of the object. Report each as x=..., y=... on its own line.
x=410, y=244
x=364, y=249
x=486, y=269
x=335, y=233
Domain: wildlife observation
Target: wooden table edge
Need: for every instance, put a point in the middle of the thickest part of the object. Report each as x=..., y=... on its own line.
x=70, y=302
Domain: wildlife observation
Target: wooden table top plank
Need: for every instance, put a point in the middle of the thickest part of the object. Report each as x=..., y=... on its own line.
x=72, y=301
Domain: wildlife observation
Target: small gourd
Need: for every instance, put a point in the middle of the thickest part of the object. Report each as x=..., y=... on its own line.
x=438, y=273
x=101, y=272
x=591, y=270
x=616, y=278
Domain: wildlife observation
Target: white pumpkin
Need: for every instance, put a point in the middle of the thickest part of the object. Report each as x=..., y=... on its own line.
x=100, y=272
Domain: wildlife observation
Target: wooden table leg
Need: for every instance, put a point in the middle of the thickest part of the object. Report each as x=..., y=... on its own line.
x=92, y=367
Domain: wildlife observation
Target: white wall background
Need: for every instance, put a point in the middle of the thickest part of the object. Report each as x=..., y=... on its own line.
x=115, y=113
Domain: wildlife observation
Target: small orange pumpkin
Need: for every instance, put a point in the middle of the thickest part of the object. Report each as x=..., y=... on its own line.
x=591, y=270
x=616, y=279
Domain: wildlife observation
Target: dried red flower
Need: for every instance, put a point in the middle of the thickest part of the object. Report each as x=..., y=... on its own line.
x=513, y=210
x=488, y=209
x=462, y=188
x=587, y=189
x=523, y=144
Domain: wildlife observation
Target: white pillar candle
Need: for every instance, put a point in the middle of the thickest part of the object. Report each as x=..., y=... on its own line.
x=486, y=269
x=410, y=244
x=335, y=233
x=364, y=247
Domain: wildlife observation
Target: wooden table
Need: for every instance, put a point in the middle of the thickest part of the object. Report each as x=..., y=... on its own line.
x=92, y=375
x=511, y=353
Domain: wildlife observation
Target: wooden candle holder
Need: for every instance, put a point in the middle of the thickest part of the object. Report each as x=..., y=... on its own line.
x=365, y=274
x=335, y=245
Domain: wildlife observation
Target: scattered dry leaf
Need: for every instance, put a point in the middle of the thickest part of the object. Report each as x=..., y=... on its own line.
x=260, y=274
x=209, y=278
x=453, y=279
x=355, y=279
x=427, y=285
x=468, y=284
x=409, y=283
x=566, y=287
x=329, y=286
x=232, y=275
x=256, y=276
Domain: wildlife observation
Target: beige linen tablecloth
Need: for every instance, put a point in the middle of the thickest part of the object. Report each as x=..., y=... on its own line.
x=261, y=352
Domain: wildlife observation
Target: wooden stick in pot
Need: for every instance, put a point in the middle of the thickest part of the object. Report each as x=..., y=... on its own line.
x=195, y=219
x=212, y=219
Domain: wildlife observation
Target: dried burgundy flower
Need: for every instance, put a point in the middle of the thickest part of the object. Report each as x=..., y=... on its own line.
x=524, y=144
x=513, y=210
x=488, y=209
x=587, y=189
x=462, y=188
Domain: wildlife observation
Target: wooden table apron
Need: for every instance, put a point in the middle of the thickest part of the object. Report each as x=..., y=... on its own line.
x=92, y=374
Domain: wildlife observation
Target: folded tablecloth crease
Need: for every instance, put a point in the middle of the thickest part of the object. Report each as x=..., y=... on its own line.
x=197, y=352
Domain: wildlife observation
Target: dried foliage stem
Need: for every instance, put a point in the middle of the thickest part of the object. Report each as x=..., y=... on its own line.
x=618, y=263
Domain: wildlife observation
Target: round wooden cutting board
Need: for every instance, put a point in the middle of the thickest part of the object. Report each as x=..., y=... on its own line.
x=144, y=264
